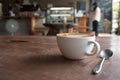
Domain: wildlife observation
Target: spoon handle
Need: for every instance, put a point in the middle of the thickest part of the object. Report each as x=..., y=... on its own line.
x=98, y=67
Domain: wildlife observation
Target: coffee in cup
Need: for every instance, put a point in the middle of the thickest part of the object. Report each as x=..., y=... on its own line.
x=77, y=45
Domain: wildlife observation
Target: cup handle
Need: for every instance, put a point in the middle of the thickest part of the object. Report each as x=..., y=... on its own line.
x=96, y=45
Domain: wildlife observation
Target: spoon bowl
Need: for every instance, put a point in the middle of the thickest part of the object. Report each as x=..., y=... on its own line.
x=107, y=53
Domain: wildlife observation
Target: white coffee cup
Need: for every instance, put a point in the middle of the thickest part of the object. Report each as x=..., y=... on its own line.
x=77, y=45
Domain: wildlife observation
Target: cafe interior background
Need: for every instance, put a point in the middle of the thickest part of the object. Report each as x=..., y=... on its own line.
x=49, y=17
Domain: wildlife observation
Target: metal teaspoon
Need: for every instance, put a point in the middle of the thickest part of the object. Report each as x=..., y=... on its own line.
x=105, y=54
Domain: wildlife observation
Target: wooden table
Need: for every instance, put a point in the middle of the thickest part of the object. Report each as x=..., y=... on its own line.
x=38, y=58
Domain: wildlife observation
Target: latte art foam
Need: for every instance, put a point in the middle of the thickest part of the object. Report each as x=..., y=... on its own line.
x=77, y=35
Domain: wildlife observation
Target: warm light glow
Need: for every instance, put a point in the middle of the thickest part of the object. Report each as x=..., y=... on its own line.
x=61, y=8
x=56, y=15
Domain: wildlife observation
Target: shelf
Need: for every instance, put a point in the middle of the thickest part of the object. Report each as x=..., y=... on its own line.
x=59, y=14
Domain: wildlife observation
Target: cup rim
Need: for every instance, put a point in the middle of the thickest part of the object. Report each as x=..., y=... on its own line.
x=65, y=34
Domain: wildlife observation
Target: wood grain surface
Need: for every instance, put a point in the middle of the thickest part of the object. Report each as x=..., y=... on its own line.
x=39, y=58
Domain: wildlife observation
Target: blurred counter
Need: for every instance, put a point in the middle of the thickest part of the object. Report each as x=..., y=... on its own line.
x=24, y=22
x=57, y=28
